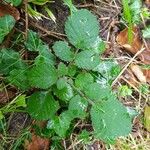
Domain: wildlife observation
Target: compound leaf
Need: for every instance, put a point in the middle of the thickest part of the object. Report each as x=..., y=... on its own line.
x=42, y=106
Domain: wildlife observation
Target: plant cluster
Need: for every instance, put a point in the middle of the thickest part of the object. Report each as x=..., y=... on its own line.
x=133, y=13
x=69, y=82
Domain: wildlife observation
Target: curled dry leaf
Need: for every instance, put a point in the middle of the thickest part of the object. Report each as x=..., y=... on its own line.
x=138, y=73
x=135, y=45
x=6, y=9
x=37, y=143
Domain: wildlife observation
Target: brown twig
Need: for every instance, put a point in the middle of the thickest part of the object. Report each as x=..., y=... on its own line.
x=59, y=36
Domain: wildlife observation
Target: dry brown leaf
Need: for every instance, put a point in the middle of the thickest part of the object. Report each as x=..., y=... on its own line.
x=6, y=9
x=130, y=77
x=146, y=73
x=138, y=73
x=37, y=143
x=135, y=45
x=147, y=2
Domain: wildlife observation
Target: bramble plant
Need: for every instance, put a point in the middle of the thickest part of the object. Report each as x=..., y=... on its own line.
x=71, y=82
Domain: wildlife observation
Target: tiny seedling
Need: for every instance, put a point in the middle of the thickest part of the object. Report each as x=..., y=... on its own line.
x=131, y=15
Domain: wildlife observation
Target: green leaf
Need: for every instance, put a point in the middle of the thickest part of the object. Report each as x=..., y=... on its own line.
x=145, y=13
x=19, y=79
x=39, y=2
x=109, y=70
x=9, y=60
x=96, y=92
x=84, y=136
x=146, y=32
x=63, y=51
x=7, y=23
x=14, y=2
x=21, y=101
x=110, y=120
x=72, y=69
x=60, y=124
x=42, y=75
x=82, y=29
x=124, y=91
x=42, y=106
x=62, y=69
x=83, y=79
x=61, y=83
x=77, y=107
x=33, y=42
x=98, y=46
x=45, y=55
x=1, y=115
x=64, y=94
x=135, y=7
x=87, y=60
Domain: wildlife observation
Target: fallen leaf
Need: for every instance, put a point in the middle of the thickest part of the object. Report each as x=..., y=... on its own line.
x=138, y=73
x=135, y=45
x=147, y=2
x=147, y=118
x=6, y=9
x=146, y=73
x=37, y=143
x=130, y=77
